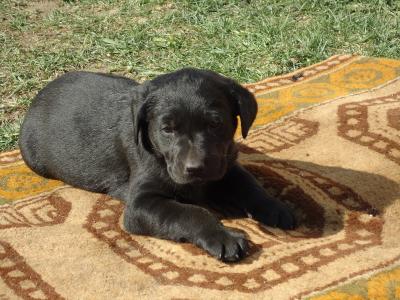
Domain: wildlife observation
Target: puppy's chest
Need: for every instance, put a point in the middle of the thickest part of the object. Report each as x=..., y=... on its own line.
x=191, y=194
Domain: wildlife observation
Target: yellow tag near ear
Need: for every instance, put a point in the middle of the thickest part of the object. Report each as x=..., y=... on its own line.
x=238, y=132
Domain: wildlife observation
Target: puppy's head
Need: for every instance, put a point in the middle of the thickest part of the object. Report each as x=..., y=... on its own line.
x=188, y=119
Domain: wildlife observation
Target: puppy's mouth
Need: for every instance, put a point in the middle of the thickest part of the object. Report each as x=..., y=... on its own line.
x=200, y=178
x=179, y=179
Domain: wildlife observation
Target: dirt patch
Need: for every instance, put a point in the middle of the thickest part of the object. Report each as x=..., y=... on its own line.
x=43, y=7
x=47, y=37
x=165, y=6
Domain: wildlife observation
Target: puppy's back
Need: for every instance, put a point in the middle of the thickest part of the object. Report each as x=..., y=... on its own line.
x=72, y=120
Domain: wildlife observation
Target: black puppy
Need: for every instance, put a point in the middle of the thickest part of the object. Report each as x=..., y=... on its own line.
x=162, y=147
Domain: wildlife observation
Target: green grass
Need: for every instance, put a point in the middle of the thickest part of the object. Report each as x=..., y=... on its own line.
x=246, y=40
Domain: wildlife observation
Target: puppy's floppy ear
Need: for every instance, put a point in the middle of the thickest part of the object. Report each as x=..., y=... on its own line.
x=246, y=106
x=140, y=117
x=244, y=103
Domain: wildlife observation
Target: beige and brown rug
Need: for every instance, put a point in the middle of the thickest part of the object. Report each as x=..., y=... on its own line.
x=327, y=141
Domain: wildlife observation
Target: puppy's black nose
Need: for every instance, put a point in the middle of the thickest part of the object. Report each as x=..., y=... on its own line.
x=194, y=168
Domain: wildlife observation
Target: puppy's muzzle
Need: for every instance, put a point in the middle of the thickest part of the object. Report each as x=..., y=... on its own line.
x=194, y=168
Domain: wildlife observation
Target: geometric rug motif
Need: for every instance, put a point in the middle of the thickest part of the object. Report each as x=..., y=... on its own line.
x=367, y=123
x=383, y=285
x=338, y=76
x=277, y=137
x=21, y=278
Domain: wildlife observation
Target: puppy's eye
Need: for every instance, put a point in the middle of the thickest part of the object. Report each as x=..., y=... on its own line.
x=214, y=124
x=167, y=129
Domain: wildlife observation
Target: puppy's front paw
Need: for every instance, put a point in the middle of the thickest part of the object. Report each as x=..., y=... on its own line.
x=275, y=214
x=225, y=244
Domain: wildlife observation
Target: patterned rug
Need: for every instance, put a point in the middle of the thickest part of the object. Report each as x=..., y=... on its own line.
x=326, y=141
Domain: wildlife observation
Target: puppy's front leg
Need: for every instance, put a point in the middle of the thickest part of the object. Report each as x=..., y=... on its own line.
x=153, y=213
x=241, y=188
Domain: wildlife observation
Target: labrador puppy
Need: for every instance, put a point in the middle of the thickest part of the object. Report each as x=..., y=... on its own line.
x=163, y=147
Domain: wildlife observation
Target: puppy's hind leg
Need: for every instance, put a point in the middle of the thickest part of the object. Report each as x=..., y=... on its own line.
x=121, y=192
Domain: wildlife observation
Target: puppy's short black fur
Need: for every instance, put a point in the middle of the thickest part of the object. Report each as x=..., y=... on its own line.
x=162, y=147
